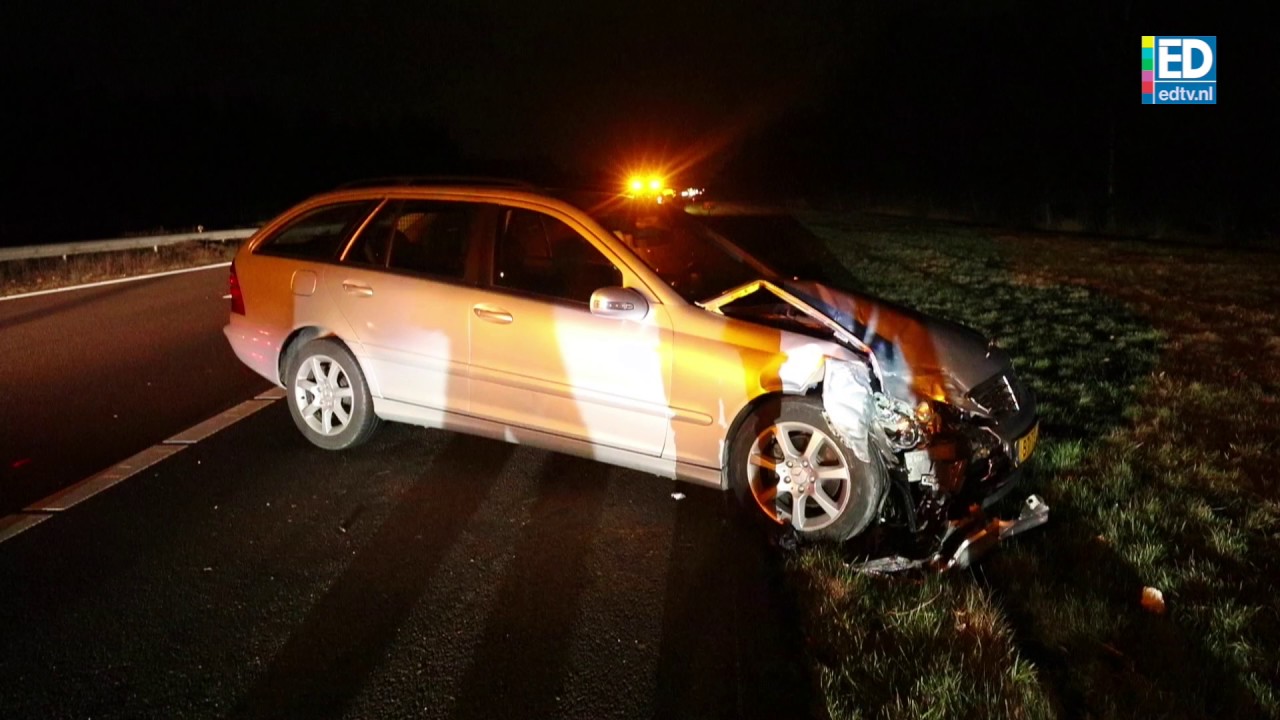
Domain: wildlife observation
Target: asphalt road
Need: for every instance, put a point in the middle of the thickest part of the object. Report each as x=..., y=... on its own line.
x=89, y=377
x=426, y=574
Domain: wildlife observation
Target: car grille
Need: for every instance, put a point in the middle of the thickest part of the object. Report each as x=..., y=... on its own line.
x=997, y=395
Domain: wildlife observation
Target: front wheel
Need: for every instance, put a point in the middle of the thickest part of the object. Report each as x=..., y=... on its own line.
x=328, y=396
x=786, y=460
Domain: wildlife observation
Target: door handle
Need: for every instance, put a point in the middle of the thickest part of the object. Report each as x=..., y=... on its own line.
x=492, y=314
x=355, y=288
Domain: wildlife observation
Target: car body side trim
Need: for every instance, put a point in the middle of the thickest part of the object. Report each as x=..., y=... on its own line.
x=444, y=420
x=521, y=382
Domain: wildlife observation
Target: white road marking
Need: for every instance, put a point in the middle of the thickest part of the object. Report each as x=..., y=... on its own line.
x=274, y=393
x=200, y=431
x=15, y=524
x=116, y=281
x=72, y=495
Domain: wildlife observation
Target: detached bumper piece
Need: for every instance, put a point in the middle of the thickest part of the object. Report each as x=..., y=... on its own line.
x=974, y=536
x=965, y=540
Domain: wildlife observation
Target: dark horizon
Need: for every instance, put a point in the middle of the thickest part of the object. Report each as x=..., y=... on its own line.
x=163, y=117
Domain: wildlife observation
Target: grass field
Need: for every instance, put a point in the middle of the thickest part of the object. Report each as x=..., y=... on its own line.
x=1157, y=367
x=20, y=276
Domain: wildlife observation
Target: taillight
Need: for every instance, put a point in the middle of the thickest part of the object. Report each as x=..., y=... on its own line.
x=237, y=297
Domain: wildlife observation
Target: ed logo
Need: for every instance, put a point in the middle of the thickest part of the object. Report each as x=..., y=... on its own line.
x=1179, y=70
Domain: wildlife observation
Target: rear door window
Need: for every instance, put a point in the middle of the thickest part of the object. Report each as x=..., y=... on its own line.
x=421, y=237
x=320, y=233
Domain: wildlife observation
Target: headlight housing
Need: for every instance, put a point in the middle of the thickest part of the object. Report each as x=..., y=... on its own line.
x=905, y=425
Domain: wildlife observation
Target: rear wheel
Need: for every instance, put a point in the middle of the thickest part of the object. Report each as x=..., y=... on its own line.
x=787, y=461
x=328, y=396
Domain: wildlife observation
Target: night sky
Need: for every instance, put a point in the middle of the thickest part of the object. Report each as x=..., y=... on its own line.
x=154, y=114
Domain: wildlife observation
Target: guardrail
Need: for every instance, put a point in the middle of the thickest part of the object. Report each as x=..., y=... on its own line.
x=63, y=250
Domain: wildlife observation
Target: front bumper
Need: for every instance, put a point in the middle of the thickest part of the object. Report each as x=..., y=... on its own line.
x=1006, y=438
x=1008, y=410
x=970, y=460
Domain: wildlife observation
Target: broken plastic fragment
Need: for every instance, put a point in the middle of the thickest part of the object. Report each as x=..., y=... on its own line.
x=1153, y=601
x=1035, y=512
x=889, y=565
x=975, y=543
x=677, y=496
x=846, y=398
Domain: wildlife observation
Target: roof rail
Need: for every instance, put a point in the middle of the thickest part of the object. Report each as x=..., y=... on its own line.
x=429, y=180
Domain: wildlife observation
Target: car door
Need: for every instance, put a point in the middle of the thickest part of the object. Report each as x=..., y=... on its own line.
x=405, y=285
x=540, y=359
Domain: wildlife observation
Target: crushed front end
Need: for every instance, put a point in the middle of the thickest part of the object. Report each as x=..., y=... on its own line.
x=939, y=405
x=947, y=462
x=962, y=454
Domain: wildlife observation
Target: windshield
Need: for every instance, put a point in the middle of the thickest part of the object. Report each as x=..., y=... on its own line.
x=693, y=261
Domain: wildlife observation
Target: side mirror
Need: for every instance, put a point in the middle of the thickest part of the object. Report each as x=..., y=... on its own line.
x=619, y=303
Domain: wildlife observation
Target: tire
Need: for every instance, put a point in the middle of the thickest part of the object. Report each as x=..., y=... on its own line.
x=841, y=494
x=328, y=396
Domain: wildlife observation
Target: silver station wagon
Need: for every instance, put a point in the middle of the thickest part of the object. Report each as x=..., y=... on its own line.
x=626, y=331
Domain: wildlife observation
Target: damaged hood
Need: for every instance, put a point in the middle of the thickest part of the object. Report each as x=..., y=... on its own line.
x=919, y=356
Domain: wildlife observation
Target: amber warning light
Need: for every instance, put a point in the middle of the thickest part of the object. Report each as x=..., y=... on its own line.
x=646, y=184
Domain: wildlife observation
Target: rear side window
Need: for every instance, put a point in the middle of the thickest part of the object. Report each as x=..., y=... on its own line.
x=319, y=234
x=423, y=237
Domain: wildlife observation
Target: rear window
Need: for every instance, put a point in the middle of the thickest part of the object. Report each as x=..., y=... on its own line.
x=423, y=237
x=320, y=233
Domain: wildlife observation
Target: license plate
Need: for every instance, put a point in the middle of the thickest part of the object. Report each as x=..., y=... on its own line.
x=1027, y=443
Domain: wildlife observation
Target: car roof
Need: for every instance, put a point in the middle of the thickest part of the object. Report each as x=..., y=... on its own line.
x=472, y=188
x=400, y=181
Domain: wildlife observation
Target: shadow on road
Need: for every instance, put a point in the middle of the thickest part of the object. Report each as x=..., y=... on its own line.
x=324, y=664
x=730, y=646
x=522, y=659
x=50, y=306
x=731, y=640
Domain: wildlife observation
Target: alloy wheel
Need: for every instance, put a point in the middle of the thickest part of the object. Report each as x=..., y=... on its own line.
x=323, y=395
x=798, y=475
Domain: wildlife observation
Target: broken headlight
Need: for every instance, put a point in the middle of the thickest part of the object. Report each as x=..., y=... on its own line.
x=905, y=425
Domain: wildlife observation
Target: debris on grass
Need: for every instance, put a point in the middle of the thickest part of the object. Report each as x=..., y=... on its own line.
x=1153, y=601
x=964, y=542
x=1159, y=464
x=889, y=565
